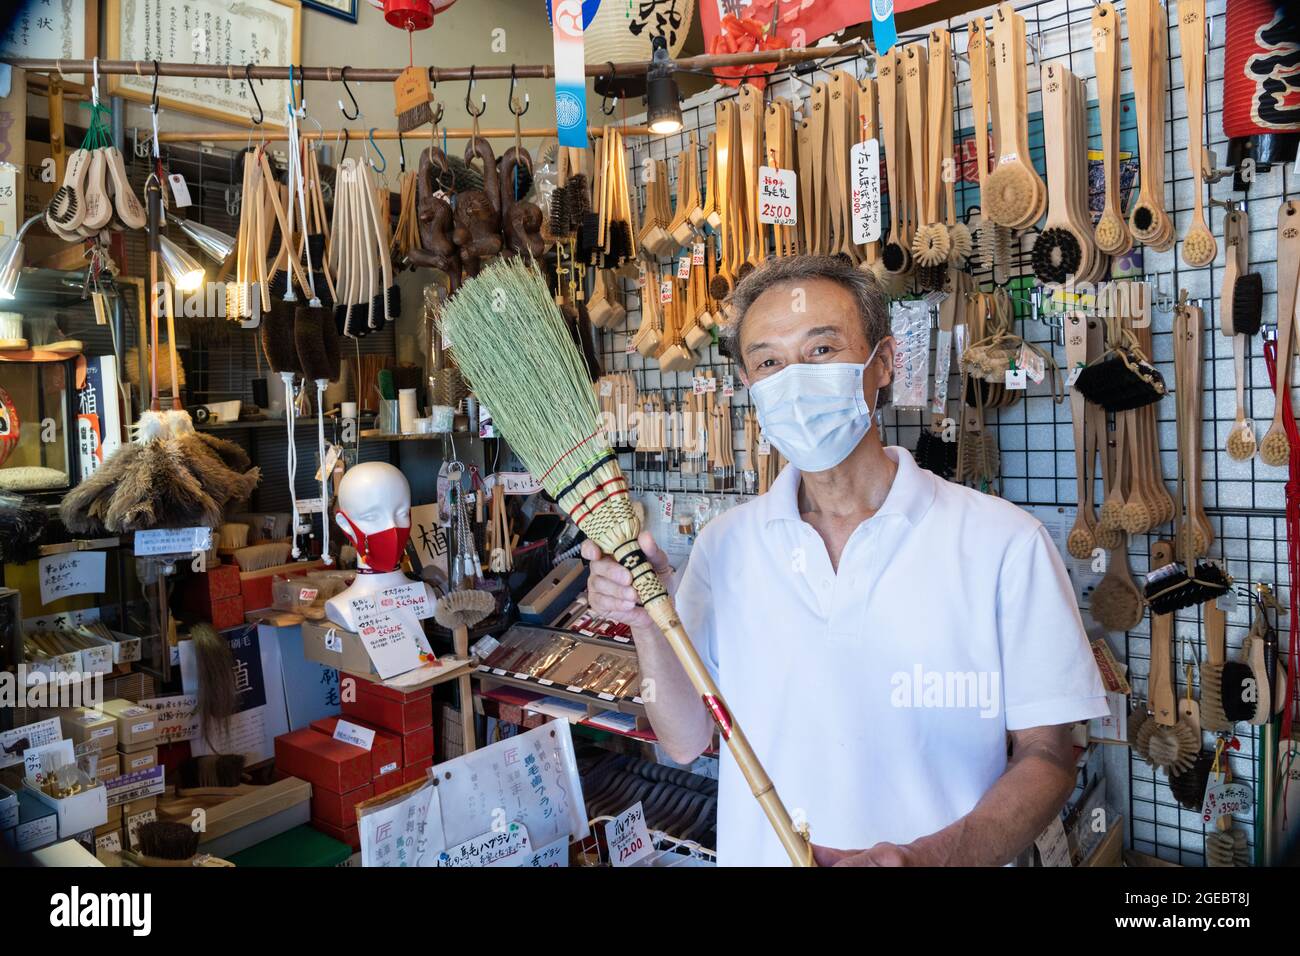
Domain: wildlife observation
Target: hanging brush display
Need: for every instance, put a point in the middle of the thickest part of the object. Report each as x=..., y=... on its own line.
x=1111, y=231
x=1241, y=307
x=895, y=255
x=1122, y=378
x=1275, y=447
x=522, y=362
x=1015, y=194
x=1149, y=223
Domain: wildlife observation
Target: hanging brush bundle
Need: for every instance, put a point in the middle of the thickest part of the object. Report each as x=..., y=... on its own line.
x=521, y=361
x=1122, y=378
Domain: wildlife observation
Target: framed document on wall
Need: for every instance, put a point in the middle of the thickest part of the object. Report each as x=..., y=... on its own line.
x=53, y=29
x=227, y=33
x=343, y=9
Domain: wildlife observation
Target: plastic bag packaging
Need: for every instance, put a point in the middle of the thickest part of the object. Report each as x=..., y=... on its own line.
x=910, y=325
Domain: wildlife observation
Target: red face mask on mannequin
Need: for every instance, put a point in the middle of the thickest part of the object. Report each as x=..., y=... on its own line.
x=381, y=551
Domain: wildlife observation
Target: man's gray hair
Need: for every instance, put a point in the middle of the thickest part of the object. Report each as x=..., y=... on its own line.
x=873, y=306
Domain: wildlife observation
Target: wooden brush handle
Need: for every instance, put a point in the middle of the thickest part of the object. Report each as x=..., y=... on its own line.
x=654, y=597
x=460, y=643
x=1191, y=33
x=1288, y=272
x=1216, y=628
x=1160, y=680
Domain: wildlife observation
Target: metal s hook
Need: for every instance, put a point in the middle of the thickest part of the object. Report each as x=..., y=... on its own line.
x=356, y=110
x=510, y=101
x=248, y=78
x=610, y=103
x=346, y=135
x=469, y=93
x=300, y=103
x=370, y=144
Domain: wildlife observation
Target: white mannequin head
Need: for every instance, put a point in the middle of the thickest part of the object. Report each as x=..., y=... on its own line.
x=374, y=511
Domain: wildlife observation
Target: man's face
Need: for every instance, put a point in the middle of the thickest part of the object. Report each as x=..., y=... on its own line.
x=809, y=323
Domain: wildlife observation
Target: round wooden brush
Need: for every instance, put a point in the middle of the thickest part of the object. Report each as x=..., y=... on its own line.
x=515, y=349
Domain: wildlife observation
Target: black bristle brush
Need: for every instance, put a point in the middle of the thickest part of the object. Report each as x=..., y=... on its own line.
x=1121, y=380
x=22, y=527
x=166, y=840
x=1189, y=786
x=1172, y=589
x=211, y=770
x=1247, y=304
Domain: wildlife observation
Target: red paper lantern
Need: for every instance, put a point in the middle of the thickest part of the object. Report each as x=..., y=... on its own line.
x=414, y=14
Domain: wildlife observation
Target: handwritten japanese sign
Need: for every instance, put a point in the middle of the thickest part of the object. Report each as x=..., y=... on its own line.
x=65, y=574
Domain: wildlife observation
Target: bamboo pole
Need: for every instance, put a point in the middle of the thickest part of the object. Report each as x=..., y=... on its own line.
x=779, y=58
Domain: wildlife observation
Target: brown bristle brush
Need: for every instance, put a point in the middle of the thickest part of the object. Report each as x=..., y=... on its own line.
x=166, y=842
x=1214, y=716
x=211, y=770
x=259, y=557
x=1170, y=743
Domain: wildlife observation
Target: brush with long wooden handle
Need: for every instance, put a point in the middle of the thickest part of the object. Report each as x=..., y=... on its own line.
x=514, y=347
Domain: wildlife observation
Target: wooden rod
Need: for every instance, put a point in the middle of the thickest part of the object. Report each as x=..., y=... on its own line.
x=358, y=136
x=436, y=74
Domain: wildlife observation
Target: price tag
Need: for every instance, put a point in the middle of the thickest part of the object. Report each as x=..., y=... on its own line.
x=606, y=388
x=513, y=482
x=1033, y=364
x=350, y=733
x=728, y=386
x=666, y=291
x=332, y=454
x=1226, y=799
x=506, y=847
x=697, y=254
x=307, y=595
x=1074, y=375
x=628, y=837
x=666, y=506
x=1053, y=847
x=684, y=268
x=411, y=596
x=393, y=642
x=764, y=448
x=865, y=194
x=776, y=196
x=172, y=541
x=1016, y=379
x=180, y=191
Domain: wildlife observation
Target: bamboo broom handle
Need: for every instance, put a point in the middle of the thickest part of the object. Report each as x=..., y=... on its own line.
x=460, y=643
x=660, y=607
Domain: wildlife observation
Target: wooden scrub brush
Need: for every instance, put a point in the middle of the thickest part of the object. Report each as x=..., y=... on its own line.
x=458, y=612
x=1170, y=743
x=1214, y=715
x=1275, y=448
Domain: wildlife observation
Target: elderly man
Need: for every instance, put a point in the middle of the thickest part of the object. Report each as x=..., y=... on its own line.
x=904, y=654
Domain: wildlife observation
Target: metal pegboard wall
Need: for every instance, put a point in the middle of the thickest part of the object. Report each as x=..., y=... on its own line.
x=1244, y=500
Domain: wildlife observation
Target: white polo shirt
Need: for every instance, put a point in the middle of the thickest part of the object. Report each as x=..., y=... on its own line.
x=878, y=697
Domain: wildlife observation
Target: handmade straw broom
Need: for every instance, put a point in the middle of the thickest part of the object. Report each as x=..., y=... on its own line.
x=514, y=347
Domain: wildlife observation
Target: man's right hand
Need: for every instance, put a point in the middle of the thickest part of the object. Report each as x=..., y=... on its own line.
x=609, y=585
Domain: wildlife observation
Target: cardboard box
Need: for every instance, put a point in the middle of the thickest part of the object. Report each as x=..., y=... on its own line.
x=79, y=812
x=322, y=761
x=130, y=787
x=8, y=808
x=350, y=835
x=338, y=809
x=38, y=823
x=137, y=727
x=110, y=766
x=380, y=706
x=385, y=755
x=85, y=725
x=415, y=771
x=133, y=808
x=334, y=646
x=138, y=760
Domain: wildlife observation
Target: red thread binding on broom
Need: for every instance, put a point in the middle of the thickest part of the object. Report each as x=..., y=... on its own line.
x=568, y=453
x=595, y=491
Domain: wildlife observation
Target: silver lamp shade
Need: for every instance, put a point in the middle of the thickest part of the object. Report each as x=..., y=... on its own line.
x=216, y=245
x=183, y=270
x=11, y=260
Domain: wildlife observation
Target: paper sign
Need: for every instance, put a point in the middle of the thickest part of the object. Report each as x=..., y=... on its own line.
x=513, y=482
x=349, y=733
x=308, y=506
x=552, y=855
x=697, y=259
x=177, y=717
x=1226, y=799
x=405, y=832
x=684, y=268
x=180, y=191
x=666, y=291
x=776, y=196
x=1053, y=847
x=509, y=847
x=865, y=194
x=627, y=836
x=33, y=758
x=173, y=541
x=81, y=572
x=392, y=643
x=414, y=596
x=14, y=742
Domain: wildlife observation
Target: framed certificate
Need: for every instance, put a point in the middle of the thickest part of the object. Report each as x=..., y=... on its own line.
x=55, y=30
x=343, y=9
x=219, y=32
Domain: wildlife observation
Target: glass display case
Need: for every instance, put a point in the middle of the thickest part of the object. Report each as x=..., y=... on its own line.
x=37, y=426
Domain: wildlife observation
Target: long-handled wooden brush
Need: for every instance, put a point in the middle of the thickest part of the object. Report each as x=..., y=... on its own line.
x=458, y=612
x=514, y=347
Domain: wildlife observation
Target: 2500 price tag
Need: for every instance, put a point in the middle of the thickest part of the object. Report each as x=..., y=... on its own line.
x=777, y=196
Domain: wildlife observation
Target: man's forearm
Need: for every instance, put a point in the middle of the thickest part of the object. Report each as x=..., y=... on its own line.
x=674, y=707
x=1014, y=811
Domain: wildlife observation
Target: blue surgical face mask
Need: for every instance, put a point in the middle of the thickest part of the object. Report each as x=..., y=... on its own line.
x=815, y=414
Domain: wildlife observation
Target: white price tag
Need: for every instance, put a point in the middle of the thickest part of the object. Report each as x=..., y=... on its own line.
x=628, y=837
x=307, y=595
x=728, y=386
x=666, y=506
x=865, y=192
x=513, y=483
x=1226, y=799
x=777, y=196
x=666, y=291
x=1016, y=379
x=180, y=191
x=764, y=447
x=1074, y=375
x=606, y=388
x=349, y=733
x=172, y=541
x=412, y=596
x=1033, y=364
x=684, y=268
x=697, y=254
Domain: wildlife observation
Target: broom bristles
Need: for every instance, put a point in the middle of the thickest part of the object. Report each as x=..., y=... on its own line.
x=514, y=347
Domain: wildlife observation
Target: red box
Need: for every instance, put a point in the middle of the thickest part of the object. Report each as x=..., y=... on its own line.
x=381, y=710
x=322, y=761
x=389, y=781
x=214, y=584
x=417, y=745
x=349, y=835
x=374, y=689
x=385, y=755
x=227, y=613
x=338, y=809
x=415, y=771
